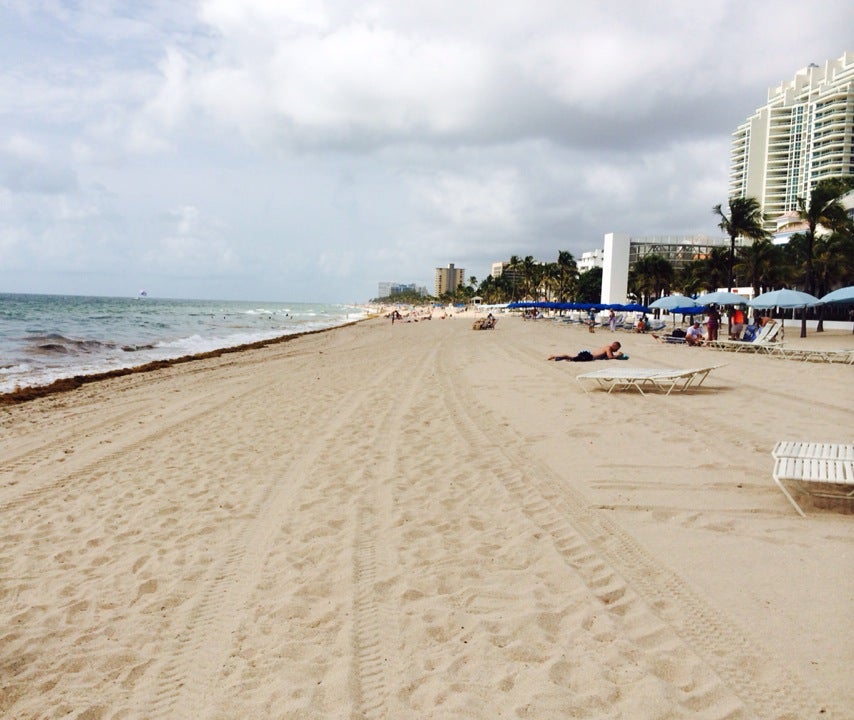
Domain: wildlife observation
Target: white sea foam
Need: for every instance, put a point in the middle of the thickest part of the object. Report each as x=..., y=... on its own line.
x=45, y=338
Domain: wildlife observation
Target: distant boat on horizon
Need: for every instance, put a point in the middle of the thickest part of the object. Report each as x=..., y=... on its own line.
x=143, y=293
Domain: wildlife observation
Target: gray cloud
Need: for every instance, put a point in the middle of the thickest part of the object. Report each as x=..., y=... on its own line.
x=308, y=150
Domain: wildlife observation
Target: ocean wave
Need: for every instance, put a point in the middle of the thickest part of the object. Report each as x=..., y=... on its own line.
x=56, y=337
x=56, y=343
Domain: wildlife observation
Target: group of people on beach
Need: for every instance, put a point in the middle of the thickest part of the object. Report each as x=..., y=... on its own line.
x=693, y=336
x=412, y=316
x=738, y=328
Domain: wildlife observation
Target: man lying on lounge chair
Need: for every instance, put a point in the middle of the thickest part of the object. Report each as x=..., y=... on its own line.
x=609, y=352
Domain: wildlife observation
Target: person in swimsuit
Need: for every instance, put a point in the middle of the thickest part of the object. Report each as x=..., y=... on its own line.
x=608, y=352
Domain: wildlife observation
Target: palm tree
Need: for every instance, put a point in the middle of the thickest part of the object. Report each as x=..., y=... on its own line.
x=745, y=220
x=825, y=208
x=496, y=290
x=651, y=276
x=833, y=264
x=567, y=274
x=762, y=264
x=550, y=280
x=589, y=286
x=513, y=271
x=530, y=276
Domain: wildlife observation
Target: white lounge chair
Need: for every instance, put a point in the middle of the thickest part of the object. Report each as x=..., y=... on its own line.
x=819, y=469
x=666, y=379
x=813, y=354
x=765, y=341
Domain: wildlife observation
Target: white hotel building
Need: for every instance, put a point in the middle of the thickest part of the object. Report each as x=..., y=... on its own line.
x=801, y=135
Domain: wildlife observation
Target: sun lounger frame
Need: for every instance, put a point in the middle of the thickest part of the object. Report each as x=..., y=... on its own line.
x=813, y=354
x=819, y=469
x=664, y=379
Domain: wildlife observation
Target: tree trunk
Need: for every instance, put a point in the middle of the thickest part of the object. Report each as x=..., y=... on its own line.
x=820, y=326
x=731, y=278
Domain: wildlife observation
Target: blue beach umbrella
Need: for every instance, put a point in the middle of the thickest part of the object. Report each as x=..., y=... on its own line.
x=843, y=295
x=692, y=310
x=672, y=301
x=784, y=299
x=788, y=299
x=722, y=297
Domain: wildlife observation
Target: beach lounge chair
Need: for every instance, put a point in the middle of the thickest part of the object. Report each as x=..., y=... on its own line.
x=664, y=379
x=765, y=341
x=813, y=354
x=818, y=469
x=669, y=339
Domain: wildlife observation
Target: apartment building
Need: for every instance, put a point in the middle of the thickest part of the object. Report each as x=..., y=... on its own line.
x=448, y=279
x=802, y=134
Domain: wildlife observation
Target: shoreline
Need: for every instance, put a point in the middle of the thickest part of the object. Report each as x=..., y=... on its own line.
x=31, y=392
x=420, y=520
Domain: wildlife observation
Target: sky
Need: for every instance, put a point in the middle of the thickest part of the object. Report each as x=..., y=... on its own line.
x=307, y=150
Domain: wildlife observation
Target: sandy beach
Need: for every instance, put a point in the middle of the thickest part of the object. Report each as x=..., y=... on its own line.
x=421, y=521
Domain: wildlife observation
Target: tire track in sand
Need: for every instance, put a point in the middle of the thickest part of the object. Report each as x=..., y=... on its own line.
x=54, y=465
x=188, y=681
x=373, y=628
x=658, y=610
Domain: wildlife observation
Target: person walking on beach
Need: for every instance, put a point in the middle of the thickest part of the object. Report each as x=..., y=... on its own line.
x=608, y=352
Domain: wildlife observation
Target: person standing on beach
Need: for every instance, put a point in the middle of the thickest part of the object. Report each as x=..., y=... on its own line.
x=736, y=323
x=612, y=320
x=713, y=323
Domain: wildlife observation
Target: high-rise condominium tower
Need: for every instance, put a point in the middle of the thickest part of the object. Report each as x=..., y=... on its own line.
x=801, y=135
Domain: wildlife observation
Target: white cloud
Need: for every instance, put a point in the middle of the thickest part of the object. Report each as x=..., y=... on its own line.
x=192, y=246
x=324, y=145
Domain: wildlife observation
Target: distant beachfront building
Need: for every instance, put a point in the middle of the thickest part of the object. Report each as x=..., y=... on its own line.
x=390, y=289
x=448, y=279
x=591, y=259
x=805, y=132
x=513, y=275
x=621, y=252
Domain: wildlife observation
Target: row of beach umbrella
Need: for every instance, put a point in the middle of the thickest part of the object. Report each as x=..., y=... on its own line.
x=786, y=299
x=548, y=305
x=682, y=304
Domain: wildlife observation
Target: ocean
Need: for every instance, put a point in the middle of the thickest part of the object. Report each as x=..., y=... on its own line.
x=44, y=338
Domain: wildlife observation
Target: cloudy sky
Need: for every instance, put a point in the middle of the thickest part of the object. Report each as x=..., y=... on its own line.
x=305, y=150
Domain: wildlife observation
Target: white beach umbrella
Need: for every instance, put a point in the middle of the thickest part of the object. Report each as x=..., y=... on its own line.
x=722, y=297
x=673, y=301
x=843, y=295
x=786, y=299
